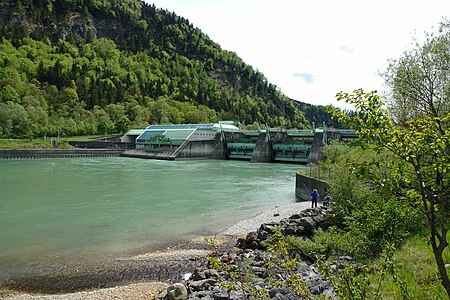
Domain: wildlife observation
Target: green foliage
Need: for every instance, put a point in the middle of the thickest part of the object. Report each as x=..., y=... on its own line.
x=327, y=244
x=419, y=80
x=398, y=273
x=359, y=282
x=334, y=152
x=243, y=278
x=394, y=185
x=381, y=221
x=319, y=115
x=416, y=276
x=422, y=145
x=31, y=144
x=370, y=202
x=210, y=241
x=153, y=64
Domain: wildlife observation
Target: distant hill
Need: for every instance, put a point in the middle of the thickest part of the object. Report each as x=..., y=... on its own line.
x=96, y=66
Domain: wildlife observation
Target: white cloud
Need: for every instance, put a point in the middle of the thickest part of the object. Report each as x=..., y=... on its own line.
x=343, y=43
x=307, y=78
x=346, y=49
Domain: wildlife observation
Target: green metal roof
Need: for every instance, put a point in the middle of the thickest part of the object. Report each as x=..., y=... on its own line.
x=147, y=134
x=180, y=126
x=178, y=134
x=135, y=132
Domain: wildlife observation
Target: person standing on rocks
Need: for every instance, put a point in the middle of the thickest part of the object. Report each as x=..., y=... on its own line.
x=314, y=198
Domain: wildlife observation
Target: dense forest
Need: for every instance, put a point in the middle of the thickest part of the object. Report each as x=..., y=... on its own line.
x=75, y=67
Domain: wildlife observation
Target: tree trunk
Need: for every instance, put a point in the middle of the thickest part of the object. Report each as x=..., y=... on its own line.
x=441, y=267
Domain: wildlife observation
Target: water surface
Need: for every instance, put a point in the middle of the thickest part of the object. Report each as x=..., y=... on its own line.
x=67, y=207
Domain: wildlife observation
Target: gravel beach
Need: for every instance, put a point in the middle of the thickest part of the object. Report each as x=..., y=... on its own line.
x=138, y=276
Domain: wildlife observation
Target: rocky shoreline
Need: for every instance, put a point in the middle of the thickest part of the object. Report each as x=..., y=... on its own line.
x=140, y=276
x=249, y=271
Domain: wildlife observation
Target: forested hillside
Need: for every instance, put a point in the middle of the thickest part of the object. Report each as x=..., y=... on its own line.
x=103, y=66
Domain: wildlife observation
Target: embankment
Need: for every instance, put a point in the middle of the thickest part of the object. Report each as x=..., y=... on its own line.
x=18, y=154
x=305, y=184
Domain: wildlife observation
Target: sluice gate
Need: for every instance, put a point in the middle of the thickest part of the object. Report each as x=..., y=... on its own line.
x=291, y=151
x=241, y=149
x=220, y=141
x=273, y=146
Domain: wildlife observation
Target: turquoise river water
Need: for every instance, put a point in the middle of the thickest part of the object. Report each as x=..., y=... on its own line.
x=65, y=207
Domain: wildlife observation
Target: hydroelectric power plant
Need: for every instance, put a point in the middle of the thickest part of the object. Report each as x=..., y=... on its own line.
x=95, y=202
x=224, y=140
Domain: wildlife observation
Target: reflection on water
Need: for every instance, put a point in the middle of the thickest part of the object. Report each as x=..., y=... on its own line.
x=101, y=205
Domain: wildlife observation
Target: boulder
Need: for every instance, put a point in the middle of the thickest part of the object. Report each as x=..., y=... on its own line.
x=201, y=285
x=204, y=283
x=200, y=274
x=177, y=291
x=309, y=224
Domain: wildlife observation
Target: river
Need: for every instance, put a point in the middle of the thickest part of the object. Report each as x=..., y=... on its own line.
x=67, y=207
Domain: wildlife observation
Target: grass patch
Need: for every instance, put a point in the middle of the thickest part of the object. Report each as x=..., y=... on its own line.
x=88, y=138
x=31, y=144
x=417, y=271
x=409, y=272
x=46, y=144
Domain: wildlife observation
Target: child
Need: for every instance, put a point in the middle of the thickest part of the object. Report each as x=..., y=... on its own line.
x=327, y=200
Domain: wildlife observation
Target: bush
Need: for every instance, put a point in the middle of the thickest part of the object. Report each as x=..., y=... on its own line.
x=367, y=187
x=328, y=244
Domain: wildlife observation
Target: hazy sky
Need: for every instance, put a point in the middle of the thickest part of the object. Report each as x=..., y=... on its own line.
x=313, y=49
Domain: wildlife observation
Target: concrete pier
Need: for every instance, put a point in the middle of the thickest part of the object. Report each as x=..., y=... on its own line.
x=263, y=149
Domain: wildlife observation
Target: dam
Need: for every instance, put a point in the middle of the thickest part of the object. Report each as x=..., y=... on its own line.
x=224, y=140
x=221, y=140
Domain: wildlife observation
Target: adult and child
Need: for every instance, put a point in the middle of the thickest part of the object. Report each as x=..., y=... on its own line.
x=315, y=198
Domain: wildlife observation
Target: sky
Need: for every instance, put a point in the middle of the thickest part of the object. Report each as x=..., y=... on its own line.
x=312, y=50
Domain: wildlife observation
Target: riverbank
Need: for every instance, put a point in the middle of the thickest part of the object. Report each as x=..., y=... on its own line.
x=55, y=153
x=137, y=276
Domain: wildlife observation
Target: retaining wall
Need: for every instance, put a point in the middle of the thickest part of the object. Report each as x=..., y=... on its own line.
x=103, y=145
x=304, y=185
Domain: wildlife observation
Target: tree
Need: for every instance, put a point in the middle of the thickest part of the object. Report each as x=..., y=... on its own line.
x=153, y=55
x=419, y=81
x=14, y=120
x=424, y=143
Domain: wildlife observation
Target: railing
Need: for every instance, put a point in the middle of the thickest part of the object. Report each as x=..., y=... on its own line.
x=317, y=171
x=342, y=131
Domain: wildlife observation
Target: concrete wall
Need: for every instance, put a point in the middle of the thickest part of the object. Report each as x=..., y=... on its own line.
x=129, y=139
x=304, y=185
x=201, y=135
x=15, y=154
x=212, y=149
x=103, y=145
x=147, y=155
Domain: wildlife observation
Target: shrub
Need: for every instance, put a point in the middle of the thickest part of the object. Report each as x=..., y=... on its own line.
x=328, y=244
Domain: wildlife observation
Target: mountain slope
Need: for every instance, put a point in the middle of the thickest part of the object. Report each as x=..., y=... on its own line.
x=95, y=66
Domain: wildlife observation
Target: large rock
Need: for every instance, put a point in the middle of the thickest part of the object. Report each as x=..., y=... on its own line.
x=200, y=274
x=177, y=291
x=301, y=224
x=250, y=242
x=202, y=285
x=209, y=284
